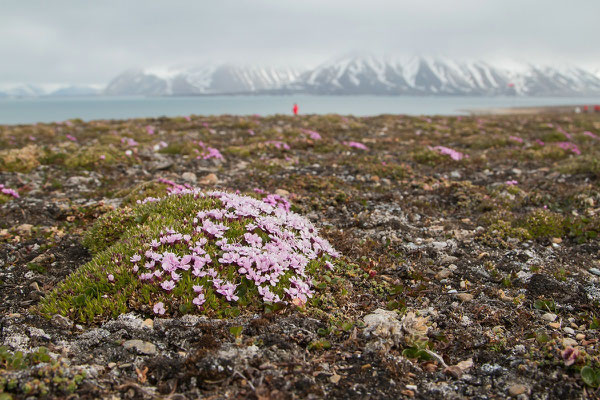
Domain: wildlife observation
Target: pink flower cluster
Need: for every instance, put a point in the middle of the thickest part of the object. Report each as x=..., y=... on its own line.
x=209, y=152
x=312, y=134
x=568, y=146
x=356, y=145
x=516, y=139
x=590, y=134
x=278, y=144
x=130, y=142
x=8, y=191
x=455, y=155
x=278, y=201
x=272, y=254
x=567, y=134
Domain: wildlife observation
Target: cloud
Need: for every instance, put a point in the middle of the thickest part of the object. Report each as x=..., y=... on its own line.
x=79, y=42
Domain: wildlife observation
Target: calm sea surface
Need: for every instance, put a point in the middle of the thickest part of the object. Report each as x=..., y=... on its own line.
x=24, y=111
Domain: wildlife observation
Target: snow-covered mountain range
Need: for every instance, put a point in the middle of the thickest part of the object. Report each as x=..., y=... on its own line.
x=348, y=75
x=438, y=76
x=49, y=90
x=213, y=79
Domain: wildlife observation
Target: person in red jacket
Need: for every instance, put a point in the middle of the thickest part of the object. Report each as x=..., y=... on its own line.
x=295, y=109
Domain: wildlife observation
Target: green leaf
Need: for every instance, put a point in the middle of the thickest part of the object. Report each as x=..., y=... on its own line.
x=590, y=376
x=323, y=331
x=236, y=330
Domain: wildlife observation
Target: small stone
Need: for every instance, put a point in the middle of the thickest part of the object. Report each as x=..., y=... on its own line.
x=595, y=271
x=148, y=323
x=517, y=389
x=454, y=371
x=24, y=229
x=210, y=179
x=568, y=342
x=61, y=322
x=557, y=240
x=443, y=274
x=34, y=286
x=111, y=365
x=569, y=330
x=335, y=378
x=580, y=336
x=550, y=317
x=464, y=297
x=554, y=325
x=140, y=346
x=189, y=177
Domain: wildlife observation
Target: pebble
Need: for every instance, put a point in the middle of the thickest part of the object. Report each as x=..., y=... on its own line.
x=569, y=330
x=517, y=389
x=61, y=322
x=443, y=274
x=454, y=371
x=189, y=177
x=24, y=229
x=282, y=192
x=140, y=346
x=554, y=325
x=210, y=179
x=595, y=271
x=580, y=336
x=550, y=317
x=464, y=297
x=568, y=342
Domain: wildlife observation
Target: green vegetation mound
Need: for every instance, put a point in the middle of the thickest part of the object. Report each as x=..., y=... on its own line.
x=212, y=253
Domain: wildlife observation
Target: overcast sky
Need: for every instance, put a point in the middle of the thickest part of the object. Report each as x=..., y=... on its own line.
x=78, y=41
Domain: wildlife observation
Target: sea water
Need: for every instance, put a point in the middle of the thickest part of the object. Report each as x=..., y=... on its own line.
x=55, y=109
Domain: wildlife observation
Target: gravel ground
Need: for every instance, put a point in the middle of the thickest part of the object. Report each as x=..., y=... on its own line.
x=472, y=269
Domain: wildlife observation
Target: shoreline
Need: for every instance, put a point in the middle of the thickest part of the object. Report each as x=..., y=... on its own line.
x=559, y=109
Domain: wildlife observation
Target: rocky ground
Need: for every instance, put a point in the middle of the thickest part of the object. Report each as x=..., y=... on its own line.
x=470, y=245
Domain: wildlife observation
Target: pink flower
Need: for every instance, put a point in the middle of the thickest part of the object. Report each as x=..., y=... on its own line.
x=569, y=355
x=111, y=278
x=198, y=288
x=135, y=258
x=199, y=300
x=253, y=239
x=150, y=131
x=102, y=156
x=312, y=134
x=516, y=139
x=590, y=134
x=168, y=285
x=356, y=145
x=71, y=138
x=8, y=191
x=511, y=183
x=159, y=308
x=568, y=146
x=455, y=155
x=278, y=144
